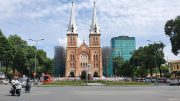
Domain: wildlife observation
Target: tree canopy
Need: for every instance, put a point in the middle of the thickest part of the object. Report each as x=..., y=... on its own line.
x=17, y=55
x=172, y=29
x=149, y=57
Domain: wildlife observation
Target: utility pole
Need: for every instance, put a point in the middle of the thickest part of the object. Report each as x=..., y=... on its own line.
x=34, y=74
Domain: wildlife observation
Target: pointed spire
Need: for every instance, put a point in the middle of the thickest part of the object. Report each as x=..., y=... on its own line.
x=72, y=28
x=94, y=28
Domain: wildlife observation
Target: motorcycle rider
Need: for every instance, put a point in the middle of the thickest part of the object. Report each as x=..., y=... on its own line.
x=16, y=87
x=28, y=85
x=14, y=82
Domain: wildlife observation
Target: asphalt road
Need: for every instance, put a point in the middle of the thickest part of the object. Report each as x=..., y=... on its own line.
x=95, y=93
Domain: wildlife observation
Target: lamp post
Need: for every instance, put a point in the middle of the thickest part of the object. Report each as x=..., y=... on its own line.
x=34, y=74
x=155, y=51
x=87, y=72
x=167, y=63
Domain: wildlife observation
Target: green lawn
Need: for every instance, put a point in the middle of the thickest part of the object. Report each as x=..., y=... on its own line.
x=107, y=83
x=66, y=83
x=125, y=83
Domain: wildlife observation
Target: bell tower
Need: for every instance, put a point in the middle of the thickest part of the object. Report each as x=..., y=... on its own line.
x=72, y=30
x=72, y=45
x=94, y=36
x=94, y=44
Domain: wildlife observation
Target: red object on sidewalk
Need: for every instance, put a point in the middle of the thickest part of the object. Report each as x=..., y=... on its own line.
x=47, y=79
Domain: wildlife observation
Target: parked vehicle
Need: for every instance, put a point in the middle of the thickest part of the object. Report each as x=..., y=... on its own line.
x=47, y=79
x=162, y=80
x=174, y=82
x=4, y=81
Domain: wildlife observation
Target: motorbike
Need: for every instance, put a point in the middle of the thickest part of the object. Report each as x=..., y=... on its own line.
x=16, y=89
x=27, y=88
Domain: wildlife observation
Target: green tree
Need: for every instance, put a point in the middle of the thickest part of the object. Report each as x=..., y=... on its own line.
x=140, y=71
x=117, y=63
x=16, y=54
x=19, y=53
x=172, y=29
x=5, y=53
x=149, y=57
x=159, y=55
x=126, y=70
x=165, y=70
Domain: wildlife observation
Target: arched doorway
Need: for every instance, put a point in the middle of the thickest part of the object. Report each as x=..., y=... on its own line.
x=71, y=74
x=95, y=74
x=83, y=75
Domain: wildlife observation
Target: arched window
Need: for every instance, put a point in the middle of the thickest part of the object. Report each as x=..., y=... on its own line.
x=73, y=57
x=96, y=65
x=73, y=65
x=96, y=57
x=70, y=58
x=94, y=41
x=70, y=65
x=71, y=40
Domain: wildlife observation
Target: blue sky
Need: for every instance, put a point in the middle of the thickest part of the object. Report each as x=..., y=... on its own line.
x=48, y=19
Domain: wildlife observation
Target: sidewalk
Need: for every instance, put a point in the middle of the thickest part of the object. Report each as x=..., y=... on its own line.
x=95, y=84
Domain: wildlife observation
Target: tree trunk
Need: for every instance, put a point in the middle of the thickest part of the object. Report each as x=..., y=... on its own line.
x=160, y=71
x=13, y=71
x=150, y=71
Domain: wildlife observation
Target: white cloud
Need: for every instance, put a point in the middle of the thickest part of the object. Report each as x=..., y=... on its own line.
x=48, y=19
x=169, y=54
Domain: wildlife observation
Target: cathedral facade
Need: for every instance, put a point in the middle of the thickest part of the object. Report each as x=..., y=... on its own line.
x=84, y=58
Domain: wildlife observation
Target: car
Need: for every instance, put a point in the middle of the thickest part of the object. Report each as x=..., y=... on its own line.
x=174, y=82
x=4, y=81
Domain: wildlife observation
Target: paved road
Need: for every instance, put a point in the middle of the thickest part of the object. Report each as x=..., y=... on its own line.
x=92, y=93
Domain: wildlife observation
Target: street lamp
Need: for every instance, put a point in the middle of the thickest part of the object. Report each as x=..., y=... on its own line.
x=155, y=58
x=35, y=55
x=87, y=72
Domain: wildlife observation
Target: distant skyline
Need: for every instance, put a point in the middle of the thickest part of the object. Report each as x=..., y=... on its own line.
x=48, y=19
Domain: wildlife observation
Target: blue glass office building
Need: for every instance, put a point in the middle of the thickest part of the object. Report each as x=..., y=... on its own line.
x=123, y=46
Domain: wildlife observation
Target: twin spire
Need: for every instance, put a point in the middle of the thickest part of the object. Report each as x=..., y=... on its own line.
x=94, y=28
x=72, y=28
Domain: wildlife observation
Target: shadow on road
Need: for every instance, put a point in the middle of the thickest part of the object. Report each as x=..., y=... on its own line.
x=10, y=95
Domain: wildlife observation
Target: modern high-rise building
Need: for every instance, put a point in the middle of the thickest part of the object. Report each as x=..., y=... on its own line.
x=106, y=58
x=123, y=46
x=59, y=61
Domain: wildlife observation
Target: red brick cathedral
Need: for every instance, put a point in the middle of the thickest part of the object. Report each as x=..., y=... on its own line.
x=78, y=59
